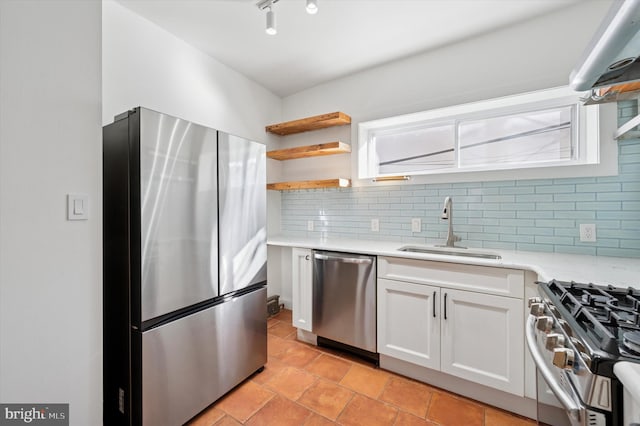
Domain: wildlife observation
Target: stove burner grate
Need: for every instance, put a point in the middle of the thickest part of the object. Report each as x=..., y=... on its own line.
x=603, y=313
x=631, y=341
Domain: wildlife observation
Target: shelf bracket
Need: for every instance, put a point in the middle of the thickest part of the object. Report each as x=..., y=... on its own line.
x=626, y=127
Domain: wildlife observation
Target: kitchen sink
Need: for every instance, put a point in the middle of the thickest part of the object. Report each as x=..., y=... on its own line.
x=450, y=251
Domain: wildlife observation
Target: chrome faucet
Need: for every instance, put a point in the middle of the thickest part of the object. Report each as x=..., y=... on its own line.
x=447, y=214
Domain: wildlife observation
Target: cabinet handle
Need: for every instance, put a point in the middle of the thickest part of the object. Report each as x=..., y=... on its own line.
x=445, y=306
x=434, y=304
x=306, y=257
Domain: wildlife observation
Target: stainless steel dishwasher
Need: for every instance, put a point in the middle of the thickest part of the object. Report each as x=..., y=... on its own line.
x=344, y=301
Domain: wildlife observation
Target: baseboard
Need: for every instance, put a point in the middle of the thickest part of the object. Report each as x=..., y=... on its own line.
x=516, y=404
x=307, y=337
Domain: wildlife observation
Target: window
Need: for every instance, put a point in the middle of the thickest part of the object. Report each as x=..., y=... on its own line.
x=529, y=137
x=400, y=149
x=538, y=129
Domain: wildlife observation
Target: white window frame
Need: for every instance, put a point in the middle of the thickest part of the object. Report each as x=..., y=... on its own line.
x=588, y=131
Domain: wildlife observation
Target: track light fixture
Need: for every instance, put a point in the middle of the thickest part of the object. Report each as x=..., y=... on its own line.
x=271, y=22
x=312, y=9
x=271, y=16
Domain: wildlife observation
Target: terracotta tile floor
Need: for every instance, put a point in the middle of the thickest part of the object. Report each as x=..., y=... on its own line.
x=306, y=385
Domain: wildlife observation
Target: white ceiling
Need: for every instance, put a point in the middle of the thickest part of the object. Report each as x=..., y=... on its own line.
x=344, y=37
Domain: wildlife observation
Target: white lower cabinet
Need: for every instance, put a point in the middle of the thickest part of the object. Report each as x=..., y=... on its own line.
x=408, y=323
x=472, y=335
x=483, y=339
x=302, y=288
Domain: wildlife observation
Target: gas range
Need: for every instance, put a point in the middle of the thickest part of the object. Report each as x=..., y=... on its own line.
x=576, y=333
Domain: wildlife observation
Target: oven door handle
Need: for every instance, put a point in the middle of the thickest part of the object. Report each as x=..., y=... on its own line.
x=573, y=407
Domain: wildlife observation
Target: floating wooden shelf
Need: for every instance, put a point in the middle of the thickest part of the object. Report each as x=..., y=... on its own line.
x=619, y=92
x=310, y=184
x=329, y=148
x=309, y=123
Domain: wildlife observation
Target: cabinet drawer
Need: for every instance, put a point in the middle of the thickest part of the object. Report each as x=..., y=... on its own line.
x=484, y=279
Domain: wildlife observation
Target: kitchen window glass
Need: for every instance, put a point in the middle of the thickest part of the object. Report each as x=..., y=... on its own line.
x=535, y=131
x=531, y=137
x=409, y=149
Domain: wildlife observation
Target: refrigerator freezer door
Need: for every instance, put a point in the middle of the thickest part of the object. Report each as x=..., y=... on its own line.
x=178, y=203
x=189, y=363
x=243, y=223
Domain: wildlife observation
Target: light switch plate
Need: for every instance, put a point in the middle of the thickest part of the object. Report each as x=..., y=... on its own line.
x=375, y=225
x=416, y=224
x=77, y=207
x=309, y=225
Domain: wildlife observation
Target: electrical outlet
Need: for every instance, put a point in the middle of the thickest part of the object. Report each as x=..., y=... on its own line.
x=416, y=224
x=309, y=225
x=375, y=225
x=588, y=232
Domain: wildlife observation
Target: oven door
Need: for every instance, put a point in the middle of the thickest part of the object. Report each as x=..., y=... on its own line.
x=553, y=389
x=549, y=410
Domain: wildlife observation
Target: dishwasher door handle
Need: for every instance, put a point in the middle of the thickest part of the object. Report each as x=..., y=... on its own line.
x=343, y=259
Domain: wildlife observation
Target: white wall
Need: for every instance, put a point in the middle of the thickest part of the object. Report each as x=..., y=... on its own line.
x=50, y=145
x=144, y=65
x=536, y=54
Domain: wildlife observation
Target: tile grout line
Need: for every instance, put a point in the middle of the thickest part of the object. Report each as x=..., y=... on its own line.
x=317, y=377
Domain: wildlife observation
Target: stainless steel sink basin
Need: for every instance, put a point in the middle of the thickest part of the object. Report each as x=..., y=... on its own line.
x=448, y=251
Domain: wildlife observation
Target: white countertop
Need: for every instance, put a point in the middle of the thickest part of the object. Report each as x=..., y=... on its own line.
x=602, y=270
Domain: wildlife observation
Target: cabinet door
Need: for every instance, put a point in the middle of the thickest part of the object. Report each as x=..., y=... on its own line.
x=483, y=339
x=302, y=288
x=408, y=326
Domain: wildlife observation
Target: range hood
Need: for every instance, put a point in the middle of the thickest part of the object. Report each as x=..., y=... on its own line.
x=613, y=55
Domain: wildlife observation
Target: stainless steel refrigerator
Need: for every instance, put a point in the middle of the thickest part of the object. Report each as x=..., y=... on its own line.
x=184, y=210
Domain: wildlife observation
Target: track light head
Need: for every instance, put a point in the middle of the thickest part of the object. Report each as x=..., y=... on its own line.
x=271, y=23
x=312, y=7
x=271, y=17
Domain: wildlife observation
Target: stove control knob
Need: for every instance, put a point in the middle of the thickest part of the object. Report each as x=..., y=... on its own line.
x=578, y=344
x=536, y=309
x=563, y=358
x=565, y=326
x=554, y=311
x=553, y=340
x=544, y=324
x=533, y=300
